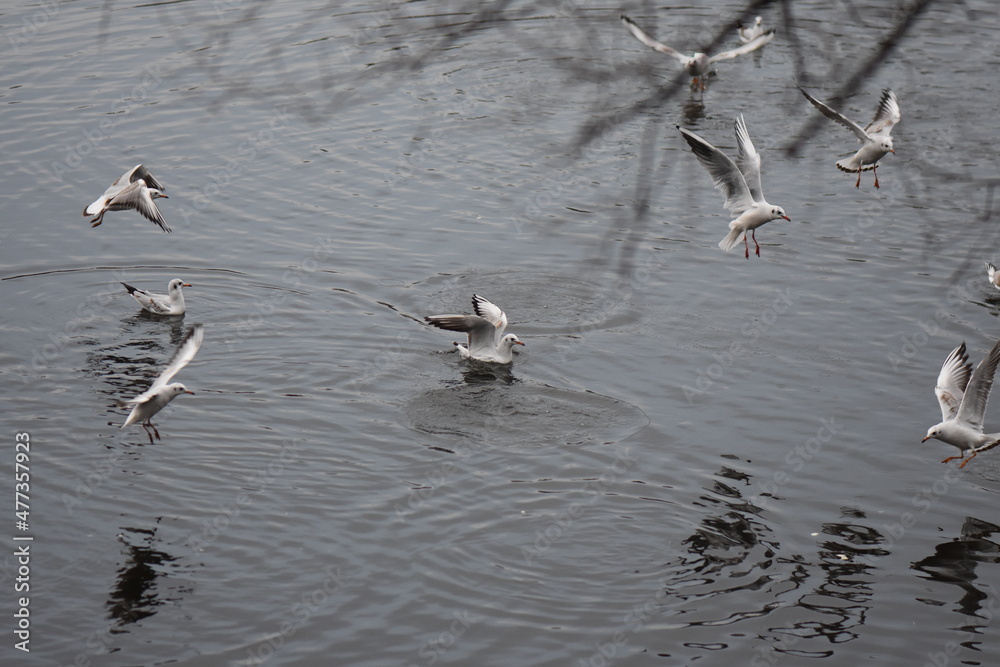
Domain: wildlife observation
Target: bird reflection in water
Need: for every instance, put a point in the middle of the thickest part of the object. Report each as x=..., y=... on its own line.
x=135, y=596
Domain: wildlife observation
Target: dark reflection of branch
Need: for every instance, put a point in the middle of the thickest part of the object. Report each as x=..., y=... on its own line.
x=864, y=71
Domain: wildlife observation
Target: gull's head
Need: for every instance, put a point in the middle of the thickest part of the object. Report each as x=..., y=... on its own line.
x=757, y=21
x=779, y=212
x=886, y=145
x=932, y=432
x=510, y=340
x=176, y=389
x=176, y=284
x=157, y=194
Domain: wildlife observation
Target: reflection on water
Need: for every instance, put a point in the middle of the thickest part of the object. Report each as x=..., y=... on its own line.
x=137, y=594
x=958, y=561
x=427, y=151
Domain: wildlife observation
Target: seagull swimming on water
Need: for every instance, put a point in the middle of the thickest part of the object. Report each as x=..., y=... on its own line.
x=135, y=189
x=740, y=183
x=159, y=394
x=993, y=275
x=874, y=137
x=487, y=341
x=171, y=303
x=698, y=64
x=753, y=32
x=963, y=393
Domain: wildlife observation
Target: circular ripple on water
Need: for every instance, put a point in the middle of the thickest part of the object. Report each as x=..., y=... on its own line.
x=518, y=413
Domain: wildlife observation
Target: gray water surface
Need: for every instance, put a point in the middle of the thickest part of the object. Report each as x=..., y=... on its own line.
x=695, y=459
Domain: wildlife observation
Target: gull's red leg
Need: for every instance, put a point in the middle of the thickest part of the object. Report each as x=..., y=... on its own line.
x=974, y=455
x=951, y=458
x=145, y=426
x=754, y=235
x=875, y=171
x=746, y=245
x=858, y=184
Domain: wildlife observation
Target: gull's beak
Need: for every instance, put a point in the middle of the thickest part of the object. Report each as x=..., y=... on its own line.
x=786, y=218
x=189, y=392
x=517, y=342
x=186, y=285
x=926, y=439
x=892, y=150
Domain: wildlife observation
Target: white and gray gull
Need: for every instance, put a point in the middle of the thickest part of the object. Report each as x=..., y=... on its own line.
x=487, y=341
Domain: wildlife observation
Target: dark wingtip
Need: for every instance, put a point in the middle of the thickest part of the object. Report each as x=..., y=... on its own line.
x=131, y=290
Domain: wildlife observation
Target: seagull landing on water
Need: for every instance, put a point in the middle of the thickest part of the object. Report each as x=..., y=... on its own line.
x=487, y=341
x=875, y=139
x=993, y=275
x=740, y=183
x=963, y=393
x=135, y=189
x=171, y=303
x=753, y=32
x=159, y=394
x=699, y=64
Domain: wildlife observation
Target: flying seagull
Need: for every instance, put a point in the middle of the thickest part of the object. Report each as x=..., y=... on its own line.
x=135, y=189
x=874, y=137
x=963, y=393
x=739, y=182
x=159, y=394
x=699, y=64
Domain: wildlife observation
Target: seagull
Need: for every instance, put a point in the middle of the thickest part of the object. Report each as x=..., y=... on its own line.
x=753, y=32
x=962, y=394
x=993, y=275
x=875, y=139
x=135, y=189
x=740, y=185
x=159, y=394
x=485, y=329
x=698, y=64
x=171, y=303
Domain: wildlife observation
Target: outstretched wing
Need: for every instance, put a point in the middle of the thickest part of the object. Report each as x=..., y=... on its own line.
x=752, y=45
x=182, y=357
x=952, y=381
x=748, y=160
x=725, y=174
x=650, y=42
x=490, y=311
x=978, y=392
x=836, y=116
x=886, y=115
x=136, y=195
